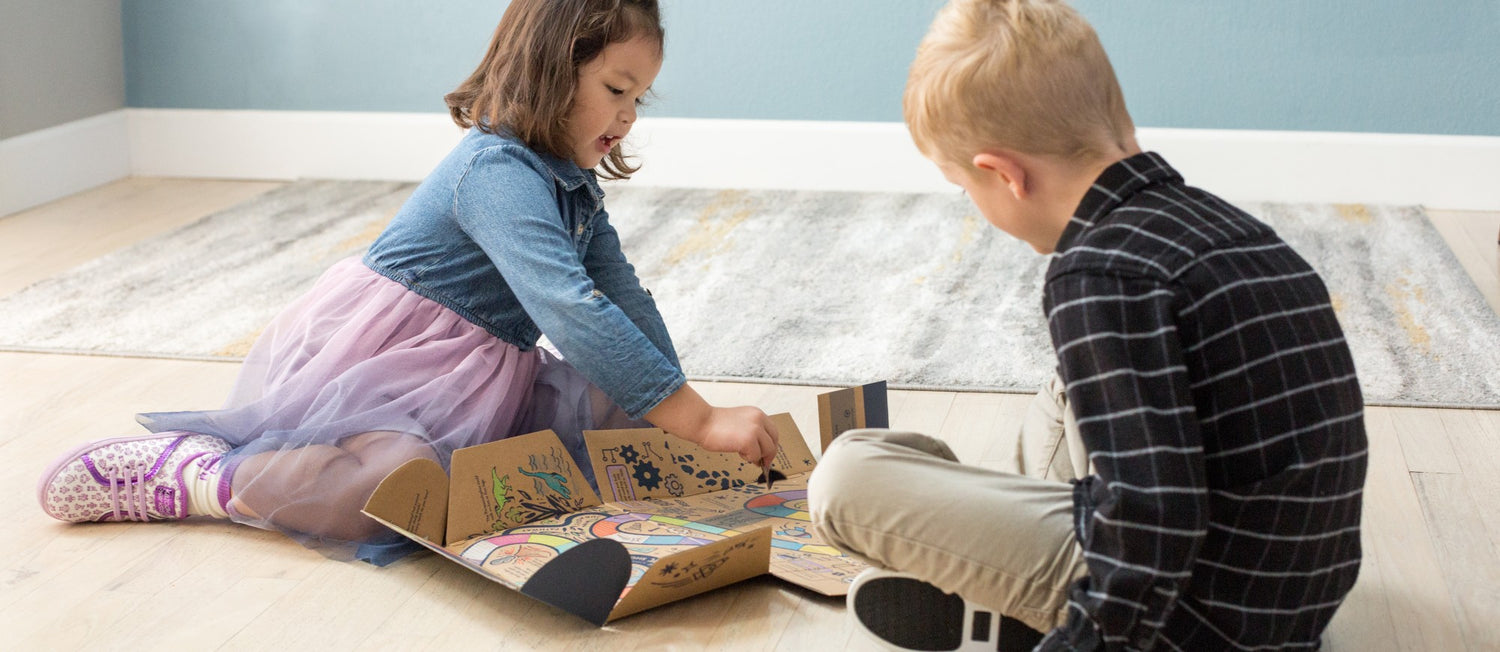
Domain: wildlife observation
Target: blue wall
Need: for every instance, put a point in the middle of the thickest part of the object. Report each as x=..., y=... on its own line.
x=1324, y=65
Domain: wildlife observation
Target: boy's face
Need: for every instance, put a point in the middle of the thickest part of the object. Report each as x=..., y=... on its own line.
x=996, y=195
x=609, y=89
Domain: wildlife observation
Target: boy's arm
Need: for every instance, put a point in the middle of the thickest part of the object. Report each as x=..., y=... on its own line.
x=1142, y=520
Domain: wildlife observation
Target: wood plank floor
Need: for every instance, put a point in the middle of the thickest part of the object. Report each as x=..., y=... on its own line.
x=1430, y=580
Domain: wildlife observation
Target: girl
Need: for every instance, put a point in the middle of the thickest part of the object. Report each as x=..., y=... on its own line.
x=428, y=344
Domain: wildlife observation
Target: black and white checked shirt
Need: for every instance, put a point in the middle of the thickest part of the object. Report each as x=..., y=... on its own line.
x=1217, y=399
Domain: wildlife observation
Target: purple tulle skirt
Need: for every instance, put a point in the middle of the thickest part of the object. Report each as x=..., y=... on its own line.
x=356, y=378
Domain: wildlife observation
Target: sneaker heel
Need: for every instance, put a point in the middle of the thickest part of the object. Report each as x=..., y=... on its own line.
x=905, y=613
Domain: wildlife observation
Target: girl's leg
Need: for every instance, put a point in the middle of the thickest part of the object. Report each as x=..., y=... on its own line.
x=319, y=490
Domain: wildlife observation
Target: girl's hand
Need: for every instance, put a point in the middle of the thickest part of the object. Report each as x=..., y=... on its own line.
x=743, y=430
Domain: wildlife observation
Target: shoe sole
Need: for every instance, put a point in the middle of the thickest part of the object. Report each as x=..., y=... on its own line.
x=909, y=614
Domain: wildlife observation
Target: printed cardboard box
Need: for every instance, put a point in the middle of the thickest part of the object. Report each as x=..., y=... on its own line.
x=847, y=409
x=675, y=520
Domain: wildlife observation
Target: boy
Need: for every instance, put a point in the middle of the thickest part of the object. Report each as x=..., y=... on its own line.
x=1202, y=371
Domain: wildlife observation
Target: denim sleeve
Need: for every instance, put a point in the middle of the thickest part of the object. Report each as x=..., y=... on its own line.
x=615, y=276
x=508, y=205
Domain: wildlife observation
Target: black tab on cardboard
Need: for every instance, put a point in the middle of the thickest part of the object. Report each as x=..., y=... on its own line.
x=585, y=581
x=877, y=414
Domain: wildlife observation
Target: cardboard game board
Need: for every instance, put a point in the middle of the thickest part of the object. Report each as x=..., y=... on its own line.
x=675, y=520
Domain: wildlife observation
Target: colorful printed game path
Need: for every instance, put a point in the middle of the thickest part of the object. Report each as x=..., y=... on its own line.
x=675, y=520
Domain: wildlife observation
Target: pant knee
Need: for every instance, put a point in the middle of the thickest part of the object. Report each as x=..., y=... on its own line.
x=835, y=477
x=856, y=467
x=844, y=463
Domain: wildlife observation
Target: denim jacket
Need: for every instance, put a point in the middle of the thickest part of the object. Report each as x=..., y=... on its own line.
x=518, y=243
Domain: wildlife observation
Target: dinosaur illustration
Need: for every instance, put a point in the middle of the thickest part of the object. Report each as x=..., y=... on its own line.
x=555, y=481
x=501, y=489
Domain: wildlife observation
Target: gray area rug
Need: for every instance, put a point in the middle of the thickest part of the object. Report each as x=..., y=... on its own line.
x=804, y=287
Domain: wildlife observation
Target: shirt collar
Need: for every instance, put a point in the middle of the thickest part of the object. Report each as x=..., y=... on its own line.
x=566, y=172
x=573, y=177
x=1115, y=186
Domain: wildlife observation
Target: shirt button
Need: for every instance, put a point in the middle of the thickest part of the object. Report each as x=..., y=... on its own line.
x=598, y=294
x=579, y=231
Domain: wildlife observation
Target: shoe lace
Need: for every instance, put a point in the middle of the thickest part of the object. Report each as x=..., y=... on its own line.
x=129, y=482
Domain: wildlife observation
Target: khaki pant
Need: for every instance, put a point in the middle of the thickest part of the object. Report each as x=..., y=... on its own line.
x=902, y=501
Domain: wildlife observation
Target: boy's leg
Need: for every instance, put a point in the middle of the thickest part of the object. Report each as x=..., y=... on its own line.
x=901, y=501
x=1049, y=446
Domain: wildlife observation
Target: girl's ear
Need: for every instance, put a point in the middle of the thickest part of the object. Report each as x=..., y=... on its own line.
x=1006, y=168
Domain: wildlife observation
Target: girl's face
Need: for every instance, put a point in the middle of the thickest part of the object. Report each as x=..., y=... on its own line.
x=609, y=88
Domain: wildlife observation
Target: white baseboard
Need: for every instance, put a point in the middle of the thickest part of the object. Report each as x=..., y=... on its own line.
x=786, y=154
x=52, y=163
x=1448, y=172
x=1443, y=172
x=288, y=144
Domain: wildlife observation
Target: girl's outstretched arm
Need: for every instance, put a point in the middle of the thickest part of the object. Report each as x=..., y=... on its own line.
x=615, y=276
x=508, y=202
x=744, y=430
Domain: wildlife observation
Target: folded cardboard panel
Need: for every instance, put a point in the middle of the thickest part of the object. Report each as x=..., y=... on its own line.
x=675, y=519
x=847, y=409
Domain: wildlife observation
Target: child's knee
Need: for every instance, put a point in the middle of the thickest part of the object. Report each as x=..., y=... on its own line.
x=387, y=448
x=846, y=455
x=860, y=464
x=876, y=444
x=847, y=471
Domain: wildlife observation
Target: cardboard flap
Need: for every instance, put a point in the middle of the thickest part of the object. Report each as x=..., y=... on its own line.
x=700, y=569
x=648, y=463
x=585, y=581
x=414, y=497
x=850, y=409
x=518, y=512
x=794, y=456
x=513, y=482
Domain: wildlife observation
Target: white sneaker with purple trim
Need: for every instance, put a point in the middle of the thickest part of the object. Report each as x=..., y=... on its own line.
x=127, y=478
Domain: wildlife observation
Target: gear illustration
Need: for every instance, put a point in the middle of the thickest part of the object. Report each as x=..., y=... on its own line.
x=627, y=453
x=647, y=475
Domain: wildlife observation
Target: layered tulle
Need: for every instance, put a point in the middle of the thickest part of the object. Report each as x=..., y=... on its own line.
x=359, y=376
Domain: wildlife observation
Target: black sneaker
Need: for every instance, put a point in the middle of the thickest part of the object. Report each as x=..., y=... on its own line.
x=905, y=613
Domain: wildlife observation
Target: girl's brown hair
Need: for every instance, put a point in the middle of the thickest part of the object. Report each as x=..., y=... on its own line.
x=528, y=77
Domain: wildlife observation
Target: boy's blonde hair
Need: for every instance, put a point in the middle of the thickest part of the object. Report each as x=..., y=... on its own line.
x=1028, y=76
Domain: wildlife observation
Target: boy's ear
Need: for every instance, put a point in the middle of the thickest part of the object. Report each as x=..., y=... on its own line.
x=1007, y=168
